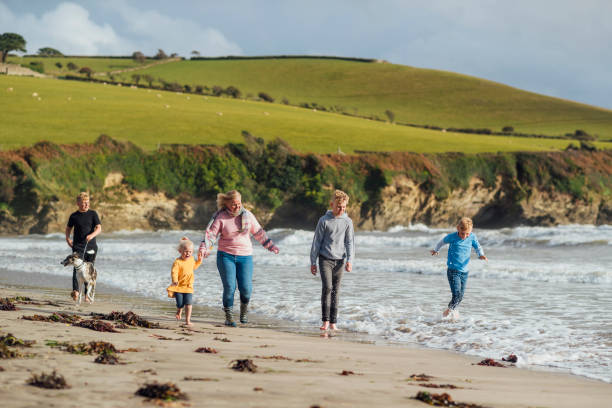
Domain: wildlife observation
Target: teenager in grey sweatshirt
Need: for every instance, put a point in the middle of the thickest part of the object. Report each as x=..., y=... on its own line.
x=333, y=246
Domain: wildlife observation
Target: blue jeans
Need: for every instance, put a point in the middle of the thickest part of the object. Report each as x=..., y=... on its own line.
x=457, y=281
x=235, y=269
x=183, y=299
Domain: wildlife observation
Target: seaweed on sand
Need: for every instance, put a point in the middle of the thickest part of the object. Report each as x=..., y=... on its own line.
x=130, y=318
x=96, y=325
x=206, y=350
x=512, y=358
x=420, y=377
x=224, y=339
x=6, y=304
x=10, y=340
x=491, y=363
x=244, y=365
x=84, y=348
x=107, y=358
x=167, y=392
x=430, y=385
x=6, y=352
x=277, y=357
x=51, y=381
x=442, y=400
x=55, y=318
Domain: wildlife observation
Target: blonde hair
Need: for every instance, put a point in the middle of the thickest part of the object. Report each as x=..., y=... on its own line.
x=223, y=198
x=82, y=196
x=465, y=223
x=185, y=243
x=340, y=196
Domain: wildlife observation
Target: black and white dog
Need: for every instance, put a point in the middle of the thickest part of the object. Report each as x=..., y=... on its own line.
x=86, y=274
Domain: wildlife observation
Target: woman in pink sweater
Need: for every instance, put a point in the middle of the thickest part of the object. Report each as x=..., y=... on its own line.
x=233, y=225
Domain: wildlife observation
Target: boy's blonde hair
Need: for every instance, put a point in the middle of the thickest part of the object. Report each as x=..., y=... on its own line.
x=82, y=196
x=223, y=198
x=185, y=243
x=340, y=196
x=465, y=223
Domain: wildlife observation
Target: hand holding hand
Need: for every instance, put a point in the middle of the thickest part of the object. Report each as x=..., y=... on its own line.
x=313, y=269
x=274, y=249
x=348, y=267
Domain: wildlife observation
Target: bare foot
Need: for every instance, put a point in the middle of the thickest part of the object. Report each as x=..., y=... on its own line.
x=178, y=316
x=333, y=326
x=87, y=299
x=189, y=324
x=446, y=312
x=325, y=326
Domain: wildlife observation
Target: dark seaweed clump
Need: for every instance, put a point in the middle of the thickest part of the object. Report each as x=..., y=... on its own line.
x=96, y=325
x=50, y=381
x=84, y=348
x=130, y=318
x=512, y=358
x=206, y=350
x=420, y=377
x=167, y=391
x=6, y=304
x=55, y=318
x=10, y=340
x=491, y=363
x=6, y=352
x=244, y=365
x=442, y=400
x=107, y=358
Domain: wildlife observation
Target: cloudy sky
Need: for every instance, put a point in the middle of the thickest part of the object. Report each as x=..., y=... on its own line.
x=554, y=47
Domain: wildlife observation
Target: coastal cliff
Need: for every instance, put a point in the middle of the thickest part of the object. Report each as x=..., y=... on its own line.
x=175, y=187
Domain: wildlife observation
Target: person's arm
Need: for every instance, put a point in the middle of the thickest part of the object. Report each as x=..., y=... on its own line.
x=478, y=249
x=210, y=236
x=97, y=230
x=175, y=273
x=260, y=235
x=349, y=245
x=197, y=264
x=440, y=244
x=68, y=240
x=316, y=246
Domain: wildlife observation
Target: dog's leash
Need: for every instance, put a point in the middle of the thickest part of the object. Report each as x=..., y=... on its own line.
x=85, y=250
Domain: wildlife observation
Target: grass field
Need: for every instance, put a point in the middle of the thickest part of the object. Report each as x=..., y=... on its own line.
x=414, y=95
x=70, y=111
x=98, y=65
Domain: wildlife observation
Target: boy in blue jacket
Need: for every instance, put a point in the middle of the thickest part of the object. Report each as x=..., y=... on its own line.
x=461, y=244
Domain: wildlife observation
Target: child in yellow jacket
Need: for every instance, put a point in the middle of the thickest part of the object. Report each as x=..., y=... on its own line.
x=182, y=279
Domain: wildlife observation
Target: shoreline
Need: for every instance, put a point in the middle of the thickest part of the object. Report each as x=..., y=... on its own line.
x=381, y=373
x=59, y=287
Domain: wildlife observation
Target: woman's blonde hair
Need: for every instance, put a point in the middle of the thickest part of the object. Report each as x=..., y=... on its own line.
x=340, y=196
x=185, y=243
x=465, y=223
x=223, y=198
x=82, y=196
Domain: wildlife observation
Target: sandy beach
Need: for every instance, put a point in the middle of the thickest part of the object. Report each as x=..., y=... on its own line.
x=293, y=370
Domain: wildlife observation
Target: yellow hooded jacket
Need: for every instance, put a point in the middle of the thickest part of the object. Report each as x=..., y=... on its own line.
x=182, y=272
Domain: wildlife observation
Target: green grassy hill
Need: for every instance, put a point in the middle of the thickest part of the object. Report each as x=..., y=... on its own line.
x=71, y=111
x=414, y=95
x=98, y=65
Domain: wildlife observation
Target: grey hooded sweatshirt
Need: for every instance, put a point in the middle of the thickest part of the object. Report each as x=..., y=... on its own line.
x=333, y=238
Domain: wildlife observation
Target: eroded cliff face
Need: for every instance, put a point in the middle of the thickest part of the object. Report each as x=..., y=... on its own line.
x=403, y=202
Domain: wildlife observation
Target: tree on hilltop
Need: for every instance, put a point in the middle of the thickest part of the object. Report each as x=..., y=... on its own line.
x=195, y=53
x=138, y=56
x=49, y=52
x=11, y=42
x=149, y=79
x=160, y=55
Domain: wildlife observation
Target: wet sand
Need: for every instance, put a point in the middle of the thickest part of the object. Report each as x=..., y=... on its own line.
x=293, y=370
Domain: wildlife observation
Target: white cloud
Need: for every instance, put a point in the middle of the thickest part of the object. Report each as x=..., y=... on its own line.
x=68, y=28
x=154, y=30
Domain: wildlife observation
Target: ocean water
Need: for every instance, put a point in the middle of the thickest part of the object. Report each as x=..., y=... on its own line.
x=545, y=294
